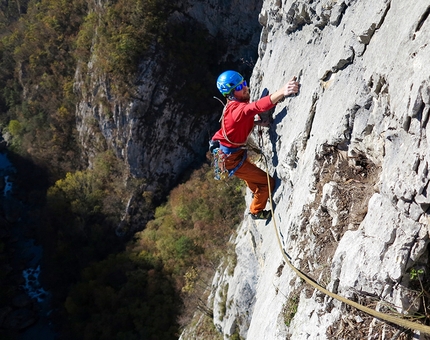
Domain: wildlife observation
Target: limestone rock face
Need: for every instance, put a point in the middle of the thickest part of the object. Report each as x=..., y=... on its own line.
x=351, y=158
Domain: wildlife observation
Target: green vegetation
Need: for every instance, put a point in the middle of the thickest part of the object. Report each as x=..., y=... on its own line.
x=190, y=233
x=290, y=309
x=126, y=31
x=41, y=44
x=195, y=222
x=37, y=70
x=416, y=273
x=223, y=301
x=14, y=127
x=81, y=214
x=236, y=336
x=120, y=291
x=125, y=296
x=121, y=294
x=204, y=328
x=110, y=289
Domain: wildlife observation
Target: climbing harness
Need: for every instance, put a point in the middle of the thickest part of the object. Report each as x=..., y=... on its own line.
x=221, y=152
x=379, y=315
x=228, y=151
x=220, y=171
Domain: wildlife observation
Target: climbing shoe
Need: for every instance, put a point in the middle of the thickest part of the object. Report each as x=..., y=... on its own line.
x=262, y=215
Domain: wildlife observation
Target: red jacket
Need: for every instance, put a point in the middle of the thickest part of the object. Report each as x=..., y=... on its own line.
x=238, y=120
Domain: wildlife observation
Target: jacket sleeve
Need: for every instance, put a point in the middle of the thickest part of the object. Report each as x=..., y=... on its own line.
x=261, y=105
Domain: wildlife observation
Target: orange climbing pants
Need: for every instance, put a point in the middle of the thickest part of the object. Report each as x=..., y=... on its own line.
x=255, y=178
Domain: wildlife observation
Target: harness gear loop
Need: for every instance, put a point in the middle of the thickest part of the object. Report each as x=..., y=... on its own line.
x=221, y=172
x=220, y=154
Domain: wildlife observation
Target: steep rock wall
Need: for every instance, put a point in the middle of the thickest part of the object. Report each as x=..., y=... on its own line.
x=350, y=155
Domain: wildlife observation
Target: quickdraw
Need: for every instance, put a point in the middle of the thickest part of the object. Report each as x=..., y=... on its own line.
x=221, y=173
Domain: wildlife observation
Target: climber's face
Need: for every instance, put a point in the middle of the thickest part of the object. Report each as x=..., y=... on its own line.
x=243, y=94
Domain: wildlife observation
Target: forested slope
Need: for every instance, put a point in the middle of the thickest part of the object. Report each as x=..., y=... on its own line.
x=67, y=68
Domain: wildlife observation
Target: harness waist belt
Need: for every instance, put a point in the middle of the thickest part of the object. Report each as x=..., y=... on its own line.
x=231, y=172
x=228, y=150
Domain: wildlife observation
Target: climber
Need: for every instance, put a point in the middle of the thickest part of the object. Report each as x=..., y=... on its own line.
x=237, y=123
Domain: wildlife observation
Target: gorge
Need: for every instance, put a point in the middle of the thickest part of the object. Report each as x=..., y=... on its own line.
x=349, y=154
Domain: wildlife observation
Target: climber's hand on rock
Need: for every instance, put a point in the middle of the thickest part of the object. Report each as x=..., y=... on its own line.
x=291, y=88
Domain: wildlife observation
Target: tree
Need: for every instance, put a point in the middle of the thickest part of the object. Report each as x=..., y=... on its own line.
x=123, y=297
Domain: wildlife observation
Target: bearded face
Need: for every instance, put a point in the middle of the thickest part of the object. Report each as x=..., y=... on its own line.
x=242, y=95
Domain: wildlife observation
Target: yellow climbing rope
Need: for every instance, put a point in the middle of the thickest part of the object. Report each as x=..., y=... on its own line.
x=382, y=316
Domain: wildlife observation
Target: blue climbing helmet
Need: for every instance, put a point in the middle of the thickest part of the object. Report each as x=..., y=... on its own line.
x=227, y=81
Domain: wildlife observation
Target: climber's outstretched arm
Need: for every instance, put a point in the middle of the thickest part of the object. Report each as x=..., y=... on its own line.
x=292, y=87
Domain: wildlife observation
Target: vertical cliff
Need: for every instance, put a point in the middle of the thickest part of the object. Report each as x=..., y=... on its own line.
x=351, y=157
